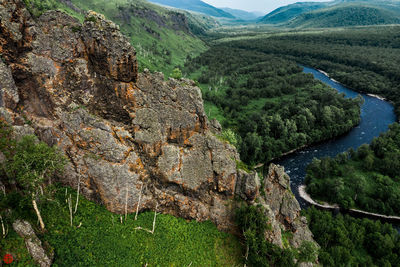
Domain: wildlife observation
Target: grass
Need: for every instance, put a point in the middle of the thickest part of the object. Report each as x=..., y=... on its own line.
x=102, y=240
x=213, y=112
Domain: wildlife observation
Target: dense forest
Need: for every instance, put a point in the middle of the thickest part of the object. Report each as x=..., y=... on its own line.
x=364, y=59
x=367, y=179
x=347, y=241
x=269, y=102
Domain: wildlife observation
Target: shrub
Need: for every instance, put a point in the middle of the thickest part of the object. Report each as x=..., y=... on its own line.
x=176, y=74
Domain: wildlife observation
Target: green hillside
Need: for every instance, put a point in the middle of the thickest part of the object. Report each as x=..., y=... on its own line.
x=335, y=14
x=162, y=37
x=197, y=6
x=347, y=15
x=286, y=13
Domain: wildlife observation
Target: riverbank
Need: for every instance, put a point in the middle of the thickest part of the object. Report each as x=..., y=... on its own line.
x=327, y=75
x=368, y=94
x=355, y=212
x=314, y=144
x=377, y=96
x=376, y=116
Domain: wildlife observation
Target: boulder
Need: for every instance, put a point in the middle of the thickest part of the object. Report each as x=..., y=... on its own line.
x=33, y=244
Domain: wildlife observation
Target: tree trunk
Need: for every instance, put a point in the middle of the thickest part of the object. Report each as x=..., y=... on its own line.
x=35, y=207
x=77, y=196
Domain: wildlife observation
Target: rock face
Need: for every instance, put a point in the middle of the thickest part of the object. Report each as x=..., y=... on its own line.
x=32, y=242
x=283, y=209
x=126, y=134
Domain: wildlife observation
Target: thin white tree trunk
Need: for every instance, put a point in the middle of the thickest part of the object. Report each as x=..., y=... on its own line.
x=5, y=231
x=126, y=201
x=138, y=204
x=70, y=208
x=154, y=224
x=154, y=220
x=35, y=207
x=77, y=196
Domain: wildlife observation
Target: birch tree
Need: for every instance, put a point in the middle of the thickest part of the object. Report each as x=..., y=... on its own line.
x=33, y=165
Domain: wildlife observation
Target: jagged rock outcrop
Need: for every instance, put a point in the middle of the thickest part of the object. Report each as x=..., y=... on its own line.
x=126, y=134
x=33, y=244
x=283, y=209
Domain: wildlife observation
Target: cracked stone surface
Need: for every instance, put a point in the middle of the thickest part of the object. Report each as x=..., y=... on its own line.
x=122, y=130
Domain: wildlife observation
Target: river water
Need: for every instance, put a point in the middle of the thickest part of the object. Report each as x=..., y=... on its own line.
x=376, y=116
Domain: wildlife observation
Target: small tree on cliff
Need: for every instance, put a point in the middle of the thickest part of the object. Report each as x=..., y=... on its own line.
x=32, y=165
x=176, y=74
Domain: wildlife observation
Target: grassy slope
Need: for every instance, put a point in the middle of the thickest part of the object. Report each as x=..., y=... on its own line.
x=103, y=240
x=197, y=6
x=160, y=47
x=97, y=238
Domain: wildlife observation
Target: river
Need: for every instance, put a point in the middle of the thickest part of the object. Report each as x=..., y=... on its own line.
x=376, y=116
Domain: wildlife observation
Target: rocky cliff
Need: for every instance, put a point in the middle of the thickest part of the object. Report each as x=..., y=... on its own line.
x=133, y=140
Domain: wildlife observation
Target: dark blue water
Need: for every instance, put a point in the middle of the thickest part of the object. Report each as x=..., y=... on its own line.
x=376, y=116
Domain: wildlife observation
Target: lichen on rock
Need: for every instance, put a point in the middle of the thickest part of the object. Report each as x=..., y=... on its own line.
x=124, y=132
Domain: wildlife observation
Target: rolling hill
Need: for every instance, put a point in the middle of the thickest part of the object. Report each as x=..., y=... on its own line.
x=195, y=5
x=348, y=15
x=338, y=13
x=286, y=13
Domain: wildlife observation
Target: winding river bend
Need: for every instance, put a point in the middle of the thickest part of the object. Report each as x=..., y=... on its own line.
x=376, y=116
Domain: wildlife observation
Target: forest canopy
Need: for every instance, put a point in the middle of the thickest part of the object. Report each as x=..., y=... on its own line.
x=364, y=59
x=267, y=100
x=367, y=179
x=348, y=241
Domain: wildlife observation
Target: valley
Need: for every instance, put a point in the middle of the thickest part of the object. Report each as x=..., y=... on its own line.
x=152, y=133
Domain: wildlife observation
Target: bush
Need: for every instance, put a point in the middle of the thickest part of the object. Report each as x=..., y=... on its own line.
x=230, y=136
x=176, y=74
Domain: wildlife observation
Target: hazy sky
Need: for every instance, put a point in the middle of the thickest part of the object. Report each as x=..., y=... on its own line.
x=264, y=6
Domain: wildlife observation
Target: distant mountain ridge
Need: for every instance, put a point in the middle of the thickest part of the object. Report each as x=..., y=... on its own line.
x=335, y=13
x=242, y=14
x=195, y=5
